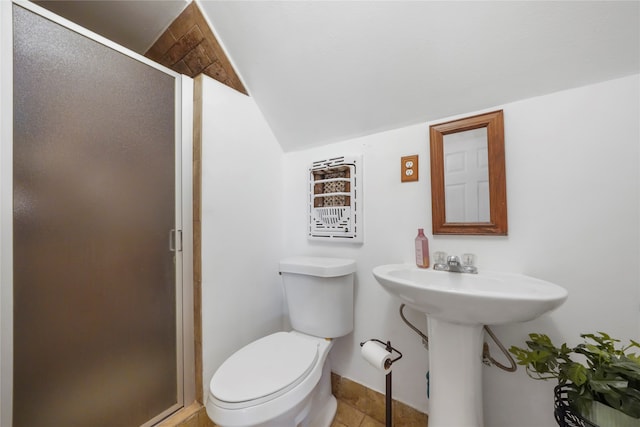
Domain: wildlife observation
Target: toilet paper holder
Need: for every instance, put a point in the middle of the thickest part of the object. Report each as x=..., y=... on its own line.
x=388, y=348
x=387, y=365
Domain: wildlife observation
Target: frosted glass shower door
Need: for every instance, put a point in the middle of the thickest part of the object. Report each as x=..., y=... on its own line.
x=95, y=312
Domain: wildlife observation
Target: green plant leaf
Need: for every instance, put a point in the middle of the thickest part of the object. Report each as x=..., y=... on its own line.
x=629, y=403
x=609, y=373
x=607, y=386
x=633, y=393
x=580, y=399
x=576, y=373
x=626, y=367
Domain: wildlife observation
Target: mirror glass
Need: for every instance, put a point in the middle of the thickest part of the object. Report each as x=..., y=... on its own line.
x=468, y=185
x=466, y=176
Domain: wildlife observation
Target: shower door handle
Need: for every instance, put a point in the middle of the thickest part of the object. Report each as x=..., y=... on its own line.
x=175, y=240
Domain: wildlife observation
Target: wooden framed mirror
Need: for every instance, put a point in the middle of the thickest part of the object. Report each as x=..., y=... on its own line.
x=468, y=183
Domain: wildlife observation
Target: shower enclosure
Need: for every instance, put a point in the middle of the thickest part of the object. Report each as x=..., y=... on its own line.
x=97, y=223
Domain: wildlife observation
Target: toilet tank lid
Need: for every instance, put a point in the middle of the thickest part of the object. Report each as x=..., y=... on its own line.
x=318, y=266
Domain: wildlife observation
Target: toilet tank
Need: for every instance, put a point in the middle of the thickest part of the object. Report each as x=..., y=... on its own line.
x=319, y=293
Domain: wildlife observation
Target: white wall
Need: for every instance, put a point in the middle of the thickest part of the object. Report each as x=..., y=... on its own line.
x=241, y=225
x=573, y=203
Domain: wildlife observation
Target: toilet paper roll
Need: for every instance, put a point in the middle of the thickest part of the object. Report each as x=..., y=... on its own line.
x=377, y=356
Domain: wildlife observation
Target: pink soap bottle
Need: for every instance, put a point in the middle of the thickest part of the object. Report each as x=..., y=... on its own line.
x=422, y=249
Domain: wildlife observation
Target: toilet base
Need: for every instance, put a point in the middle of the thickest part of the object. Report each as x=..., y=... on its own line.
x=326, y=416
x=323, y=405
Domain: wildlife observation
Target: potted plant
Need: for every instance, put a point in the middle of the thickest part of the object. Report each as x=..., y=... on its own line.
x=598, y=375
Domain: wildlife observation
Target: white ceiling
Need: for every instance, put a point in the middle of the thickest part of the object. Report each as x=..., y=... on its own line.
x=325, y=71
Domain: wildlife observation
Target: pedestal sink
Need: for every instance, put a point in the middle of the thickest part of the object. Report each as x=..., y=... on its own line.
x=457, y=306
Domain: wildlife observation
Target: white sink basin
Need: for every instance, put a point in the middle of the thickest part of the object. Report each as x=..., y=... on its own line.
x=487, y=298
x=457, y=306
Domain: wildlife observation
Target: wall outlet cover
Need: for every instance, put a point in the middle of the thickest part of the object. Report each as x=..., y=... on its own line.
x=409, y=168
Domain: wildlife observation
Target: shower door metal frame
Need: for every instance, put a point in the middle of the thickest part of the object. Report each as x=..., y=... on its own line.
x=183, y=211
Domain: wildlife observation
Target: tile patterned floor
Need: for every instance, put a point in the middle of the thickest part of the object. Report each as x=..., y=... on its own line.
x=358, y=406
x=348, y=416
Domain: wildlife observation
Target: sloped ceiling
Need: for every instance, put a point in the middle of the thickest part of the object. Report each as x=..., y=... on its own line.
x=325, y=71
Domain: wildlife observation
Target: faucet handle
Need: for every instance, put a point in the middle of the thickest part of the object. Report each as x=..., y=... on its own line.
x=440, y=257
x=468, y=260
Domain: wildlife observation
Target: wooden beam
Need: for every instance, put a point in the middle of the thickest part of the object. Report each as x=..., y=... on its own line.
x=189, y=47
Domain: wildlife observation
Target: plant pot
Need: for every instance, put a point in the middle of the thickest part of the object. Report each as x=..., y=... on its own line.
x=605, y=416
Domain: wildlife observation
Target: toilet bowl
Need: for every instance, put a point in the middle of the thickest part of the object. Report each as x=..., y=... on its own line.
x=272, y=382
x=284, y=379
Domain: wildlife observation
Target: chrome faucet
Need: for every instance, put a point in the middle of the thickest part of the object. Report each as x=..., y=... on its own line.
x=453, y=263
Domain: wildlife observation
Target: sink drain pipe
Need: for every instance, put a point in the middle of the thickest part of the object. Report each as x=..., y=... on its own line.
x=380, y=358
x=487, y=359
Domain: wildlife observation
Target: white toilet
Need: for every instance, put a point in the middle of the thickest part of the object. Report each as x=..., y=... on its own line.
x=284, y=379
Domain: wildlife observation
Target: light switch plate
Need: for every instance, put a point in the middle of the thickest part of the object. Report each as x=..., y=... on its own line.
x=409, y=168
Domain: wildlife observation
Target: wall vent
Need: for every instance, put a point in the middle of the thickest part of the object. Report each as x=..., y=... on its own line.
x=335, y=199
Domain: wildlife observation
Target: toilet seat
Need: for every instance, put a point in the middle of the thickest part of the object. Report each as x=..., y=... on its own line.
x=263, y=370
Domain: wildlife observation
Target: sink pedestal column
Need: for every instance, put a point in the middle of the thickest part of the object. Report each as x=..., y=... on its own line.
x=455, y=372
